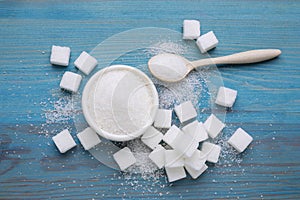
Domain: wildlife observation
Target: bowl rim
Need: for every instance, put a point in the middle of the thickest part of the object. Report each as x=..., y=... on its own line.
x=86, y=105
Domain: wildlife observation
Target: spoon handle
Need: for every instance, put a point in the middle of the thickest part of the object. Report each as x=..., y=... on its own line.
x=245, y=57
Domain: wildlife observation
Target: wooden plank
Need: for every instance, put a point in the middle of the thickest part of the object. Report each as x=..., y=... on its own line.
x=268, y=104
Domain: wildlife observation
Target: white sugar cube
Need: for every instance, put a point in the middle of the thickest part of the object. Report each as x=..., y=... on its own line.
x=185, y=111
x=60, y=55
x=171, y=134
x=196, y=130
x=163, y=118
x=175, y=173
x=213, y=126
x=64, y=141
x=158, y=156
x=191, y=29
x=226, y=97
x=152, y=137
x=185, y=144
x=196, y=161
x=196, y=173
x=240, y=140
x=124, y=158
x=212, y=151
x=173, y=159
x=207, y=42
x=70, y=81
x=85, y=63
x=88, y=138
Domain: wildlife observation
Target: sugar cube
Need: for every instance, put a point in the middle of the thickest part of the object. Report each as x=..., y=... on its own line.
x=207, y=42
x=196, y=130
x=60, y=55
x=85, y=63
x=226, y=97
x=175, y=173
x=88, y=138
x=185, y=111
x=70, y=81
x=173, y=159
x=196, y=173
x=158, y=156
x=240, y=140
x=64, y=141
x=185, y=144
x=124, y=158
x=152, y=137
x=213, y=126
x=212, y=151
x=163, y=118
x=196, y=161
x=171, y=134
x=191, y=29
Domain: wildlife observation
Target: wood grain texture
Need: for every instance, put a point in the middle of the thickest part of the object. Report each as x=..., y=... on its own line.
x=268, y=103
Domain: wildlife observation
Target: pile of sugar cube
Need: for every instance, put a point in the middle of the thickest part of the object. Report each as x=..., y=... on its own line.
x=178, y=149
x=70, y=81
x=191, y=31
x=85, y=63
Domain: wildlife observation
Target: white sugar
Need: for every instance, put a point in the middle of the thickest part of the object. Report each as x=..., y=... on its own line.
x=165, y=47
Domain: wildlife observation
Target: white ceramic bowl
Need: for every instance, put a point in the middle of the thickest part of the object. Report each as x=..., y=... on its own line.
x=119, y=102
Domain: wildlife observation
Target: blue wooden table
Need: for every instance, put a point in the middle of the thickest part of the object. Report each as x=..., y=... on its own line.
x=268, y=104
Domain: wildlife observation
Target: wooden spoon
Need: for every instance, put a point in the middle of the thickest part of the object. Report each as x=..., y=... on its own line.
x=173, y=68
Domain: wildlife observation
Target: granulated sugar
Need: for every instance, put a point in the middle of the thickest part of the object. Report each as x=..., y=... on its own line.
x=58, y=112
x=166, y=47
x=123, y=100
x=143, y=166
x=62, y=111
x=189, y=89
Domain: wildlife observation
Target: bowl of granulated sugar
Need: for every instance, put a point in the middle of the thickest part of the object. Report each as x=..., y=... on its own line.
x=120, y=102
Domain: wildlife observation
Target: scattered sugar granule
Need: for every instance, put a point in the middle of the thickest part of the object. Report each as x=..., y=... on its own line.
x=166, y=47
